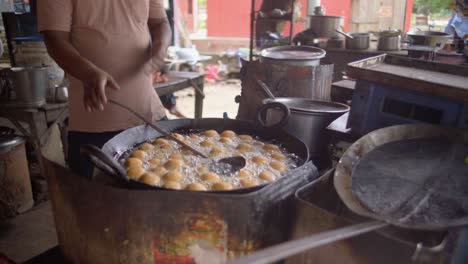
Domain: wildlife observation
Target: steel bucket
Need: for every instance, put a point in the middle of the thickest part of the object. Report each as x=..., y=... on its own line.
x=304, y=118
x=319, y=209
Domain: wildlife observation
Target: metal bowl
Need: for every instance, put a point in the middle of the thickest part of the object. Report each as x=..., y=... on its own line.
x=428, y=38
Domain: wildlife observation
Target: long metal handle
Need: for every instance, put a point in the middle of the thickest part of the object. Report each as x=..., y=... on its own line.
x=149, y=123
x=266, y=89
x=291, y=248
x=344, y=33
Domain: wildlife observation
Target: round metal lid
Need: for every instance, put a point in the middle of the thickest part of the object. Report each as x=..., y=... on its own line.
x=311, y=106
x=297, y=53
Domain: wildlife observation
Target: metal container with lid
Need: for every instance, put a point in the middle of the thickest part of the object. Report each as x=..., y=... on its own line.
x=305, y=118
x=389, y=40
x=15, y=185
x=293, y=55
x=326, y=26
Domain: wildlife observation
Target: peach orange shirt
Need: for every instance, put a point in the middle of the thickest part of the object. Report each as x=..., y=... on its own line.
x=112, y=34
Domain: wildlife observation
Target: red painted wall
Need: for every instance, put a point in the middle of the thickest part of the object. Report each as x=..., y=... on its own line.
x=409, y=13
x=227, y=18
x=187, y=17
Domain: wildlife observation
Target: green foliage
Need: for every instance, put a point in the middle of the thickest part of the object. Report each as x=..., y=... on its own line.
x=430, y=6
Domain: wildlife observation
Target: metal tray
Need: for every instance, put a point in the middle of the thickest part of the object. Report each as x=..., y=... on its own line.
x=432, y=78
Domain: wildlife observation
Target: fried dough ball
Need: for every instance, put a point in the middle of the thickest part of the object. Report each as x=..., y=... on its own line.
x=271, y=148
x=150, y=179
x=222, y=186
x=279, y=166
x=146, y=147
x=248, y=183
x=173, y=164
x=202, y=170
x=134, y=162
x=244, y=147
x=216, y=151
x=245, y=138
x=259, y=160
x=176, y=156
x=139, y=154
x=161, y=141
x=207, y=143
x=210, y=177
x=172, y=185
x=238, y=155
x=178, y=136
x=228, y=134
x=166, y=147
x=195, y=137
x=159, y=170
x=154, y=162
x=267, y=176
x=245, y=173
x=211, y=133
x=278, y=156
x=258, y=143
x=225, y=140
x=135, y=173
x=195, y=187
x=174, y=176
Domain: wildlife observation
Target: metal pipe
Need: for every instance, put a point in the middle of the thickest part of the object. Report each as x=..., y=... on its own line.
x=252, y=25
x=291, y=248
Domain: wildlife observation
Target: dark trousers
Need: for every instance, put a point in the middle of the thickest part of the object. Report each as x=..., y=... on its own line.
x=78, y=163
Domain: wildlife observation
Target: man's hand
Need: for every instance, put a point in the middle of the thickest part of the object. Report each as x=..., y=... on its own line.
x=94, y=97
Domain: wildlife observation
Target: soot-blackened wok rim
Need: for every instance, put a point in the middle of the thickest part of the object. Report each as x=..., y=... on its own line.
x=343, y=172
x=125, y=141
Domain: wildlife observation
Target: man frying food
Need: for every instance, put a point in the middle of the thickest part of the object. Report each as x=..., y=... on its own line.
x=110, y=49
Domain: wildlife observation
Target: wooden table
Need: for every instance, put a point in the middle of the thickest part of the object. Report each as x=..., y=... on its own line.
x=39, y=120
x=182, y=80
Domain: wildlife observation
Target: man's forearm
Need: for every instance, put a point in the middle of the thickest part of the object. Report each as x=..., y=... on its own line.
x=67, y=57
x=161, y=39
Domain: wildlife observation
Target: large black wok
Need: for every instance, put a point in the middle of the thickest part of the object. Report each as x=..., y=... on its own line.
x=111, y=157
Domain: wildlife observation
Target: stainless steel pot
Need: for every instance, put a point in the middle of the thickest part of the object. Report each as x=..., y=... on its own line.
x=29, y=85
x=389, y=40
x=304, y=118
x=326, y=26
x=428, y=38
x=360, y=41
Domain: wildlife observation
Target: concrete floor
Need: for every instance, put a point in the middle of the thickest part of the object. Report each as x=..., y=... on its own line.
x=219, y=99
x=29, y=234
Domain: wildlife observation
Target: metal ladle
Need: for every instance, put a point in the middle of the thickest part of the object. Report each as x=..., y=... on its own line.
x=226, y=166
